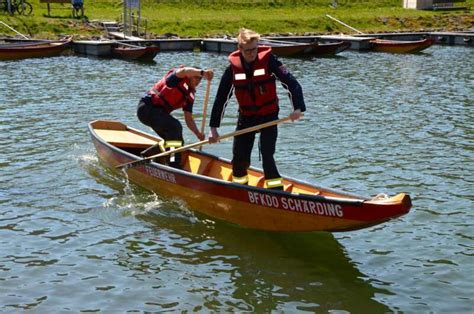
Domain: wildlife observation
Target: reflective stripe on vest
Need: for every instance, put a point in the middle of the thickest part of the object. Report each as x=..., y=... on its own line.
x=273, y=183
x=240, y=76
x=241, y=180
x=243, y=76
x=259, y=72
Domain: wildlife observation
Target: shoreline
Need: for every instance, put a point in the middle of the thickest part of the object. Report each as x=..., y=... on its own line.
x=167, y=22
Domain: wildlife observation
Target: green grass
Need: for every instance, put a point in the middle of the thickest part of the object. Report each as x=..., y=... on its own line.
x=213, y=18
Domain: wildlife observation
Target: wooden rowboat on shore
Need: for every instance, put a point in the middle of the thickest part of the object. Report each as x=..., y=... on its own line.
x=33, y=49
x=204, y=184
x=399, y=46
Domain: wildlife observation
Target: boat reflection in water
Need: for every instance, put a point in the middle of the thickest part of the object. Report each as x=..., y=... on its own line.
x=213, y=265
x=254, y=270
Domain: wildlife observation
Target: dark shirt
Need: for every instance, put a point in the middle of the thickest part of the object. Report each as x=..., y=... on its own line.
x=172, y=80
x=225, y=90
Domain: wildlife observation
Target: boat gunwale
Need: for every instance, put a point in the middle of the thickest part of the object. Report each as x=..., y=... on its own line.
x=311, y=49
x=406, y=46
x=39, y=50
x=352, y=199
x=35, y=44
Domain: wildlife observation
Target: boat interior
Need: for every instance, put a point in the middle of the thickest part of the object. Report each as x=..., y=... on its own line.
x=135, y=142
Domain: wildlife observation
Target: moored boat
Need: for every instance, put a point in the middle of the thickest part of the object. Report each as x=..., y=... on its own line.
x=204, y=184
x=389, y=45
x=399, y=46
x=34, y=49
x=329, y=49
x=294, y=49
x=133, y=52
x=287, y=49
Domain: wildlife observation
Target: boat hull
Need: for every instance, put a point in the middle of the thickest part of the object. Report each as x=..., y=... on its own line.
x=288, y=49
x=135, y=53
x=33, y=50
x=329, y=49
x=397, y=46
x=252, y=206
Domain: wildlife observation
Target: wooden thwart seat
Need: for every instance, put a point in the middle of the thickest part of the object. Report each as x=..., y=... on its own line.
x=123, y=138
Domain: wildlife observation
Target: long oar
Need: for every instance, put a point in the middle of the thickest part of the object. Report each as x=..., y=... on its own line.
x=348, y=26
x=278, y=41
x=204, y=110
x=11, y=28
x=186, y=147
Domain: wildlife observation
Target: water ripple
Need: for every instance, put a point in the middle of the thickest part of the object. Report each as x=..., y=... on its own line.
x=375, y=123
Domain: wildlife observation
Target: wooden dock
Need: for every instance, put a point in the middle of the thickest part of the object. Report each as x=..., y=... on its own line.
x=358, y=42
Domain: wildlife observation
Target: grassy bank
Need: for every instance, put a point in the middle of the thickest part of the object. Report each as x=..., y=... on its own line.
x=213, y=18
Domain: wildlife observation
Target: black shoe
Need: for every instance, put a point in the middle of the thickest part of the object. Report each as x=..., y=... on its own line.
x=175, y=165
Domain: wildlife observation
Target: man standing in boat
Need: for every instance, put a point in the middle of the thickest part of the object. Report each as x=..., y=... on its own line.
x=175, y=90
x=251, y=75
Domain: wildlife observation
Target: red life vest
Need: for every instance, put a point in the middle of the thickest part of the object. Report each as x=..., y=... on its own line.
x=171, y=98
x=255, y=93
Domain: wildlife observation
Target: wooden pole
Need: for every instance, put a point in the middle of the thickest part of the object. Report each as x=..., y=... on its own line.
x=350, y=27
x=204, y=109
x=11, y=28
x=283, y=41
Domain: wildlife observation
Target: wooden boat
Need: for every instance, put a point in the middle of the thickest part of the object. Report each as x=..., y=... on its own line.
x=399, y=46
x=293, y=49
x=34, y=49
x=392, y=46
x=287, y=49
x=133, y=52
x=329, y=49
x=204, y=184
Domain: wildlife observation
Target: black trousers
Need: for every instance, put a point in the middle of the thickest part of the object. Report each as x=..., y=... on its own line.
x=165, y=125
x=243, y=145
